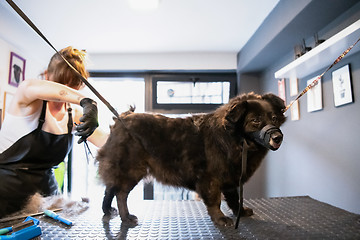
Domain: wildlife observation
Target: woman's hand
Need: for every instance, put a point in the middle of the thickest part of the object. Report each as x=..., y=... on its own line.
x=89, y=119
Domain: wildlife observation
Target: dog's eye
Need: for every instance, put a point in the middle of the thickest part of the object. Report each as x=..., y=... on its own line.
x=274, y=119
x=256, y=120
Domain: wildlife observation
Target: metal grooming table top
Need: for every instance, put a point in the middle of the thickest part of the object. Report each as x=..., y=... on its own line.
x=274, y=218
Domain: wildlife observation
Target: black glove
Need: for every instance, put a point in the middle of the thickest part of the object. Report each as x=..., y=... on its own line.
x=89, y=119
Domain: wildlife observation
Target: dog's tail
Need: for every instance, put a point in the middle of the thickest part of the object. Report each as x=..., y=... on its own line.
x=128, y=112
x=132, y=108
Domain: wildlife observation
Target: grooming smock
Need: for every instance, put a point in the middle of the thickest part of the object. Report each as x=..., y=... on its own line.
x=26, y=165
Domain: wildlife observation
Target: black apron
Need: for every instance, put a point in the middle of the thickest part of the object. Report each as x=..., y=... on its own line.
x=26, y=166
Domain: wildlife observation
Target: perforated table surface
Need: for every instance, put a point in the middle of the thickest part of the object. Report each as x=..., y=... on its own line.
x=275, y=218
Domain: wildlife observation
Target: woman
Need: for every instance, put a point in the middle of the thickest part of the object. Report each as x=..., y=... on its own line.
x=36, y=134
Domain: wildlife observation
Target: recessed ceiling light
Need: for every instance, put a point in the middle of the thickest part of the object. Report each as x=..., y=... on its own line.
x=144, y=5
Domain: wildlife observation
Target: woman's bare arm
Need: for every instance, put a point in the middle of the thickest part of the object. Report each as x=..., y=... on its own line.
x=31, y=92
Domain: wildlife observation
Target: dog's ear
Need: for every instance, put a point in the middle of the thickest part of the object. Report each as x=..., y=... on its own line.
x=234, y=114
x=278, y=105
x=275, y=101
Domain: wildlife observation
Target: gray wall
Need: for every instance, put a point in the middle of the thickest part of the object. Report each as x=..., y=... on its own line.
x=320, y=153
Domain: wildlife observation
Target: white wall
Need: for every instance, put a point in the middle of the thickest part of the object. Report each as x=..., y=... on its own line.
x=163, y=61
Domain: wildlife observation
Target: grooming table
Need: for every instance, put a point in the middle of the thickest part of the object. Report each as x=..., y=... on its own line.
x=274, y=218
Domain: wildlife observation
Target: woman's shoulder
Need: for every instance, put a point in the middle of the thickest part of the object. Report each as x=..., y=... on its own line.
x=24, y=85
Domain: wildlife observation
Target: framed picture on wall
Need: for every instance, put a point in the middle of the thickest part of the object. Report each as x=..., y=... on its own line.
x=295, y=111
x=16, y=69
x=342, y=86
x=314, y=96
x=281, y=89
x=294, y=89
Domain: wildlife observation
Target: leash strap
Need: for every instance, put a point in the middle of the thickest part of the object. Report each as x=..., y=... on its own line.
x=315, y=82
x=241, y=185
x=83, y=79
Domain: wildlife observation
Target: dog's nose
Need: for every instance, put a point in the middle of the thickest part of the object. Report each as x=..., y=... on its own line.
x=277, y=139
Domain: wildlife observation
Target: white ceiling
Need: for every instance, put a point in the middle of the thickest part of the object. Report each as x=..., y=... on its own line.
x=110, y=26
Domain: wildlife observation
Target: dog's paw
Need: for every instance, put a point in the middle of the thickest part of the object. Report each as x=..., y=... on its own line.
x=246, y=212
x=110, y=211
x=130, y=219
x=224, y=221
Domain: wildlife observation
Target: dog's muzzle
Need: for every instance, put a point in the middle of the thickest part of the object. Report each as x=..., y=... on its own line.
x=269, y=136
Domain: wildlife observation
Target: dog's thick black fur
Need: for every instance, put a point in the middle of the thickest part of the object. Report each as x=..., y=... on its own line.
x=201, y=152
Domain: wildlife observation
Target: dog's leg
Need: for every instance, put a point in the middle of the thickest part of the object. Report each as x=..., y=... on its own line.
x=108, y=197
x=211, y=194
x=232, y=199
x=121, y=197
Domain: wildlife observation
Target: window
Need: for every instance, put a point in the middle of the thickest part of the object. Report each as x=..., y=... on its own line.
x=169, y=92
x=199, y=92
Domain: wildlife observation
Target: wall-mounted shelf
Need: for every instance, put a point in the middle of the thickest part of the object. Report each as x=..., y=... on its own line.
x=323, y=55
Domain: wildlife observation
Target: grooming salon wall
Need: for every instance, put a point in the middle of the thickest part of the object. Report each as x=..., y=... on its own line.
x=320, y=153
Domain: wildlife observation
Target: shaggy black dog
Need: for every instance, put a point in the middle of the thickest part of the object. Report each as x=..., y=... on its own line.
x=202, y=152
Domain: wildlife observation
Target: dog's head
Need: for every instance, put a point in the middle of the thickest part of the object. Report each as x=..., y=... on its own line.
x=257, y=118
